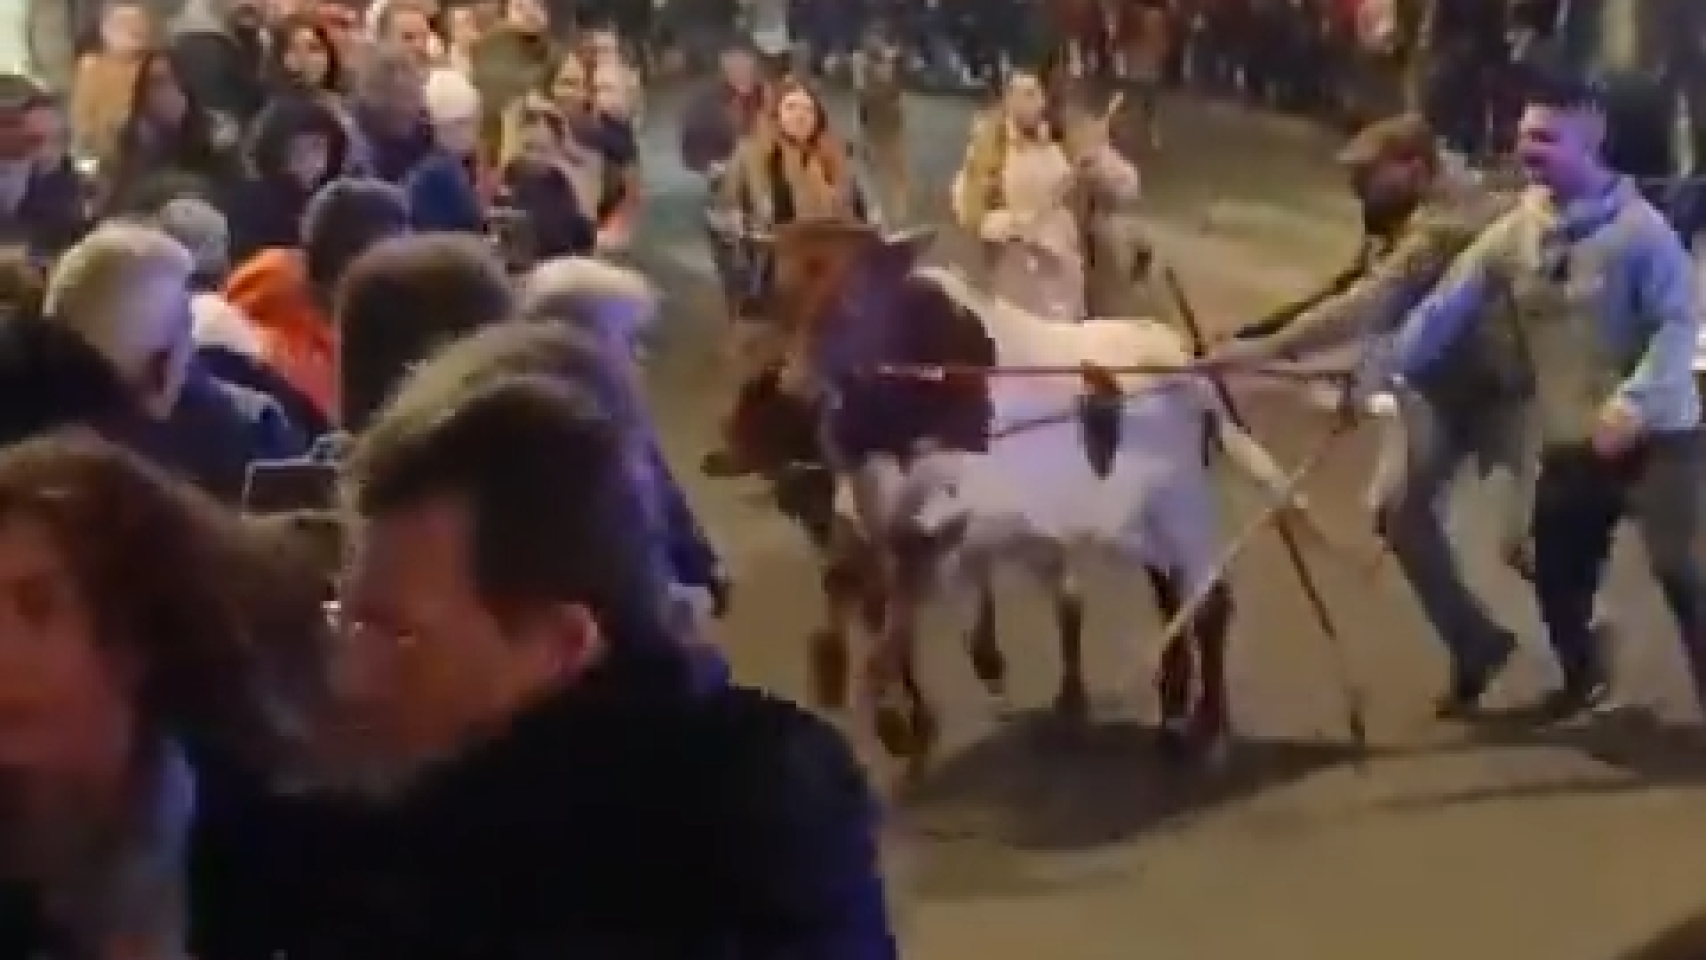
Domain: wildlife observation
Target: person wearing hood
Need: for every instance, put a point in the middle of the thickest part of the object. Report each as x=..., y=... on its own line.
x=297, y=146
x=404, y=149
x=286, y=292
x=126, y=290
x=222, y=48
x=307, y=61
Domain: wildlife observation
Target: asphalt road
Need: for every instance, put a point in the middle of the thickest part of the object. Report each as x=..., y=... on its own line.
x=1446, y=841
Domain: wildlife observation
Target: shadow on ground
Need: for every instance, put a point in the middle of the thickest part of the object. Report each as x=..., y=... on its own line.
x=1035, y=785
x=1642, y=750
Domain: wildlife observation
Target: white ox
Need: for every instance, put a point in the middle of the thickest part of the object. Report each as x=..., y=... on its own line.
x=1035, y=499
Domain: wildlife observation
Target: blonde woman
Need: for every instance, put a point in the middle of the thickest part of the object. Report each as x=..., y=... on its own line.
x=547, y=216
x=1027, y=190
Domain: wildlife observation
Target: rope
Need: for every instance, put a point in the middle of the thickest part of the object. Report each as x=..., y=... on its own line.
x=939, y=372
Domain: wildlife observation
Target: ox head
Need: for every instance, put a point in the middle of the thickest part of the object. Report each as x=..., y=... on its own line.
x=852, y=310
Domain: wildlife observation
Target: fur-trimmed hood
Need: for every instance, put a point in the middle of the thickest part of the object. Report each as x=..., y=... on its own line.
x=594, y=295
x=220, y=324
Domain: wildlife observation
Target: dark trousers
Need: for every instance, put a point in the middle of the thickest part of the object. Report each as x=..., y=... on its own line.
x=1579, y=499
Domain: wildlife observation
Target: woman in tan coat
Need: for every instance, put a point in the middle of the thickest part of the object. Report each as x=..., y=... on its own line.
x=1028, y=189
x=101, y=91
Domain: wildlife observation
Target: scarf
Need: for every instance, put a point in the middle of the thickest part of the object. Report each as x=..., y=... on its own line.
x=1562, y=227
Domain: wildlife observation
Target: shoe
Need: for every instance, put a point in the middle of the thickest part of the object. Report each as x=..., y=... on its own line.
x=1578, y=695
x=1471, y=677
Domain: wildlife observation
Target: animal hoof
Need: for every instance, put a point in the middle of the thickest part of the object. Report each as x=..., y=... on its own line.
x=894, y=732
x=1072, y=703
x=829, y=668
x=907, y=734
x=990, y=667
x=1173, y=741
x=1214, y=753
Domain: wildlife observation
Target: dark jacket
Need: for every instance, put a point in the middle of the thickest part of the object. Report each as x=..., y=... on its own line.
x=222, y=67
x=553, y=220
x=714, y=122
x=442, y=195
x=217, y=430
x=266, y=211
x=238, y=369
x=50, y=378
x=53, y=214
x=693, y=561
x=201, y=159
x=652, y=817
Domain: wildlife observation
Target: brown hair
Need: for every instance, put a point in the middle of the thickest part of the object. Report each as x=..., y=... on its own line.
x=189, y=590
x=823, y=148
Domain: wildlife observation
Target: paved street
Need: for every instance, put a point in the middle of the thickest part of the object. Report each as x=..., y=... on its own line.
x=1446, y=842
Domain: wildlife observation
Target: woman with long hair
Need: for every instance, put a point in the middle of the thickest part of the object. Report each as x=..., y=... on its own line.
x=138, y=620
x=793, y=167
x=101, y=91
x=167, y=137
x=601, y=152
x=305, y=57
x=1028, y=189
x=544, y=213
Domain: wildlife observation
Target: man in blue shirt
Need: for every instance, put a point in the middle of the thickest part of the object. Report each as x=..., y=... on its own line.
x=1606, y=312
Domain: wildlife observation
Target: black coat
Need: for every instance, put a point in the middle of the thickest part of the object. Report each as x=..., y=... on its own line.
x=622, y=822
x=52, y=215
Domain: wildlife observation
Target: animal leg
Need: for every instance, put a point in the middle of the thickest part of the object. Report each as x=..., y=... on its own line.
x=1175, y=680
x=1072, y=700
x=905, y=721
x=988, y=663
x=1212, y=629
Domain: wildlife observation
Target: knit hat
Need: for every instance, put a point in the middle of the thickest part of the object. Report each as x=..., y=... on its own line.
x=203, y=231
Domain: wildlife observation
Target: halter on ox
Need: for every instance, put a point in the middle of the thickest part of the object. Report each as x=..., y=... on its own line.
x=968, y=434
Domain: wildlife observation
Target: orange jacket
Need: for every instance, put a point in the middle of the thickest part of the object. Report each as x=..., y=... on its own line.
x=297, y=337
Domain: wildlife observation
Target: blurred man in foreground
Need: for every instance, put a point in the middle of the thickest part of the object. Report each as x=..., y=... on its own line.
x=560, y=780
